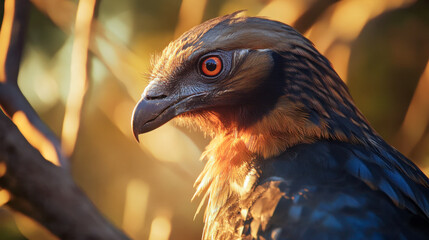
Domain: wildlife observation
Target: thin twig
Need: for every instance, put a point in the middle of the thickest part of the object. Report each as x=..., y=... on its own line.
x=122, y=63
x=309, y=17
x=79, y=82
x=417, y=117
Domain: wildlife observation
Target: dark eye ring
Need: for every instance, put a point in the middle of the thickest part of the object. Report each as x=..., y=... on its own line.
x=211, y=66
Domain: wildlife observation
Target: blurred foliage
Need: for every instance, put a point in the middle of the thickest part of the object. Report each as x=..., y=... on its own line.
x=380, y=47
x=384, y=77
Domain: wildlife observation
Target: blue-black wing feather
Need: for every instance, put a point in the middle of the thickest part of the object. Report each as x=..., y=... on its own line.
x=333, y=190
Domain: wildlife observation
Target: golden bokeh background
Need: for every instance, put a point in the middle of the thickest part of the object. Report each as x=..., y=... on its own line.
x=379, y=47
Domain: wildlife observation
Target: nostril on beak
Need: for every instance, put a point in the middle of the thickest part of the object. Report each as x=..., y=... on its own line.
x=155, y=97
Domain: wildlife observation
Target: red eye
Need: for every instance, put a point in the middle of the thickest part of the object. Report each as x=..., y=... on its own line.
x=211, y=66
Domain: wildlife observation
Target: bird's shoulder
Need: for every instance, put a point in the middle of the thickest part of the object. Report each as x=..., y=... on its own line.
x=330, y=190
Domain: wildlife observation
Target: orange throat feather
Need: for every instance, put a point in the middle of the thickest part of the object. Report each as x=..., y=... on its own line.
x=233, y=151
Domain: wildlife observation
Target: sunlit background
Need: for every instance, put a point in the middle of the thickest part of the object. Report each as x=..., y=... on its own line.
x=379, y=47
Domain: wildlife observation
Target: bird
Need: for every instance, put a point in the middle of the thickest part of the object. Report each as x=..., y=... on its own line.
x=291, y=156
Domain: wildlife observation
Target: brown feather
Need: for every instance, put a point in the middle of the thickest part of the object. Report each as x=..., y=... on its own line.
x=314, y=98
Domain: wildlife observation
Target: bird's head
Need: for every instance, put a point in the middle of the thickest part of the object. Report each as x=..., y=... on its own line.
x=253, y=78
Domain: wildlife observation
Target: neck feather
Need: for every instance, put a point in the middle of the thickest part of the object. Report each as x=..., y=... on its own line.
x=316, y=105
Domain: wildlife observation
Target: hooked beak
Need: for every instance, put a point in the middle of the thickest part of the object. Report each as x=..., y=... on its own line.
x=151, y=113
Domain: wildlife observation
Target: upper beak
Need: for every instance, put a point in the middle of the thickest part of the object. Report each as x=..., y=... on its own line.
x=151, y=113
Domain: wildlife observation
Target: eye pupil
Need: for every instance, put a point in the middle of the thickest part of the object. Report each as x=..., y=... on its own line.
x=211, y=65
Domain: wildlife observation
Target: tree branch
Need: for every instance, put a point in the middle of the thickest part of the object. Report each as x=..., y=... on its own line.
x=47, y=193
x=11, y=98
